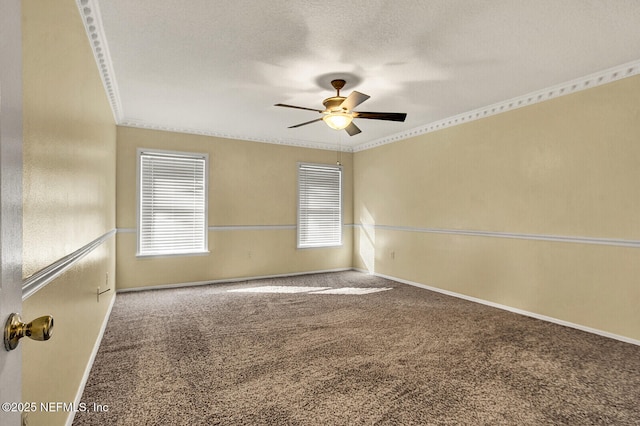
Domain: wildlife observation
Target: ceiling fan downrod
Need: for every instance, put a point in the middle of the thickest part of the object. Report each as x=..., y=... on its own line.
x=338, y=85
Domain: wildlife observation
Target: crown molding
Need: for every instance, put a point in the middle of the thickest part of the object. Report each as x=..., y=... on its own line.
x=91, y=18
x=583, y=83
x=289, y=142
x=92, y=21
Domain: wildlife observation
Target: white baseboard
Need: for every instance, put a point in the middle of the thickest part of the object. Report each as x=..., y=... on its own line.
x=228, y=280
x=400, y=280
x=87, y=371
x=509, y=308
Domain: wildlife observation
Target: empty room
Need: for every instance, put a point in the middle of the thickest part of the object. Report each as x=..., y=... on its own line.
x=318, y=213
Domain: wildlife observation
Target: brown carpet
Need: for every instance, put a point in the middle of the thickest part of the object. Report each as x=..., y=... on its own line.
x=207, y=355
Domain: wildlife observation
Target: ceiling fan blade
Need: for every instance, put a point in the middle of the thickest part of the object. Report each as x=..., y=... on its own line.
x=298, y=107
x=305, y=123
x=352, y=129
x=353, y=100
x=389, y=116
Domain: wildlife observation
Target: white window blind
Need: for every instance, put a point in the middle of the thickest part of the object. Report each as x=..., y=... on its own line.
x=172, y=209
x=319, y=205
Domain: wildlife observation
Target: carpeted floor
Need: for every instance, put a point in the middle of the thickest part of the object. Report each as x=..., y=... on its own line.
x=283, y=355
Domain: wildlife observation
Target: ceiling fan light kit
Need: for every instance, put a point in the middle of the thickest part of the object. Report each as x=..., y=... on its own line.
x=338, y=113
x=337, y=120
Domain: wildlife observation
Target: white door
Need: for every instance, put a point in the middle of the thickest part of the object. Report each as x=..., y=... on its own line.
x=10, y=201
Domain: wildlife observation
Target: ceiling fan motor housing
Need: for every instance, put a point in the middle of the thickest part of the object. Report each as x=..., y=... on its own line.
x=333, y=103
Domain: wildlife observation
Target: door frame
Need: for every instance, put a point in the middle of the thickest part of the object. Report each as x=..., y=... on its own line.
x=10, y=199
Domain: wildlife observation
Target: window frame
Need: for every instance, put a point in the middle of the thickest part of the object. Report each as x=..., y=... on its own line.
x=169, y=153
x=339, y=243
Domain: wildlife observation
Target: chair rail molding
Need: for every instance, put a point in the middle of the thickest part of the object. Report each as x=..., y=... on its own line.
x=38, y=280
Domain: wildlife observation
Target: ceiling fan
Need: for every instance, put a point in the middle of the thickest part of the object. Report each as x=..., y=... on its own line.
x=339, y=113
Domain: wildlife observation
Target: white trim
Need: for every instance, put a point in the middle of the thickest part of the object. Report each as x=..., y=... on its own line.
x=92, y=20
x=229, y=280
x=218, y=228
x=252, y=228
x=617, y=242
x=92, y=358
x=403, y=281
x=573, y=86
x=38, y=280
x=184, y=254
x=509, y=308
x=137, y=124
x=582, y=83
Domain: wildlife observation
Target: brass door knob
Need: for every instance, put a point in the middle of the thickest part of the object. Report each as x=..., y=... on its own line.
x=15, y=329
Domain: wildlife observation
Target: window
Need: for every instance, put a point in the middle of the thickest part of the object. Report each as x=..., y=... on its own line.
x=319, y=205
x=172, y=203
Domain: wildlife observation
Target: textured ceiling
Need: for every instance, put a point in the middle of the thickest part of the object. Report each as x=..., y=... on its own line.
x=218, y=67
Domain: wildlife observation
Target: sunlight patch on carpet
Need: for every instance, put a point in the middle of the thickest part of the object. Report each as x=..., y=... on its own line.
x=352, y=290
x=278, y=289
x=309, y=290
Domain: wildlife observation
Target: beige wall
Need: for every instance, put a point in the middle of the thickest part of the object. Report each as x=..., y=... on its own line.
x=564, y=167
x=250, y=184
x=69, y=197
